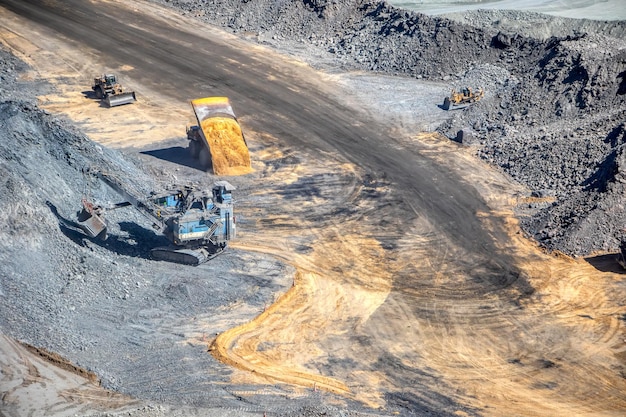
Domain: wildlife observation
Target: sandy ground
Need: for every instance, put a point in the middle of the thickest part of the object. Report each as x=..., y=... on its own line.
x=32, y=384
x=561, y=351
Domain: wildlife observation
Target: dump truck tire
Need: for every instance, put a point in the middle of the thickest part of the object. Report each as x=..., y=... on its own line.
x=205, y=158
x=194, y=148
x=446, y=103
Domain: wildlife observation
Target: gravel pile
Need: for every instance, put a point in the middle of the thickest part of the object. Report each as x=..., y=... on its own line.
x=41, y=178
x=555, y=103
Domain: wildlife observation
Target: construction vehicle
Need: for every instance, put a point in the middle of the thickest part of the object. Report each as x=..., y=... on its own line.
x=111, y=92
x=198, y=224
x=217, y=140
x=465, y=96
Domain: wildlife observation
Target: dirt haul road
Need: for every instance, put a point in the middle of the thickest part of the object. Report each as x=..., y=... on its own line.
x=414, y=291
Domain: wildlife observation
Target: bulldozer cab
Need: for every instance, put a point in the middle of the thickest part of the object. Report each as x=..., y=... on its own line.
x=110, y=79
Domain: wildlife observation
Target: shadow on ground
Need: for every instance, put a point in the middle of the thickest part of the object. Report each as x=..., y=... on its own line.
x=177, y=155
x=137, y=244
x=606, y=263
x=92, y=96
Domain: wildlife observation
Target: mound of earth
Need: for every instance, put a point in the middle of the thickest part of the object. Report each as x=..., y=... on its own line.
x=555, y=98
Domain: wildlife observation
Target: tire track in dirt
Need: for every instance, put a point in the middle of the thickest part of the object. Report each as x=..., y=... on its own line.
x=340, y=279
x=32, y=381
x=246, y=355
x=537, y=355
x=531, y=352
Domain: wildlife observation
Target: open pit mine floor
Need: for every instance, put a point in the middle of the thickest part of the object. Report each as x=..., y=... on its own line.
x=383, y=269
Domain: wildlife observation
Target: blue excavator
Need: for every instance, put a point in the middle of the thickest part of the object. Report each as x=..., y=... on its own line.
x=198, y=224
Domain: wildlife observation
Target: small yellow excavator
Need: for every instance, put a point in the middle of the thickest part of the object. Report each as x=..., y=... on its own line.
x=464, y=97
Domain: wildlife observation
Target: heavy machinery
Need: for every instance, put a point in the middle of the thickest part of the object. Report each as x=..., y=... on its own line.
x=111, y=92
x=465, y=96
x=217, y=141
x=198, y=224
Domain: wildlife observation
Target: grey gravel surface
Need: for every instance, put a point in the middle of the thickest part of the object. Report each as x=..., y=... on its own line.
x=143, y=327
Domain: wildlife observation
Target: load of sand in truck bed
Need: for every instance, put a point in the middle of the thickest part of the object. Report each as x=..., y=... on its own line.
x=219, y=137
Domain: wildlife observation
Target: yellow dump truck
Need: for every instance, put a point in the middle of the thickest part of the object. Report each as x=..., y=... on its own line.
x=217, y=141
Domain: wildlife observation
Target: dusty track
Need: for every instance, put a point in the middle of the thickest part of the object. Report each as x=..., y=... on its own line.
x=415, y=290
x=27, y=374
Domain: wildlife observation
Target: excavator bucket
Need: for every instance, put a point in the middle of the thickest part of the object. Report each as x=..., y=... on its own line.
x=221, y=137
x=91, y=222
x=113, y=100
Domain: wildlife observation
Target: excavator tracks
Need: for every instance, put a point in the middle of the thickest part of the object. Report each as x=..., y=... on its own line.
x=192, y=257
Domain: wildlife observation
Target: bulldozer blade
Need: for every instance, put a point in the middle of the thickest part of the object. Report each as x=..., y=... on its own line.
x=113, y=100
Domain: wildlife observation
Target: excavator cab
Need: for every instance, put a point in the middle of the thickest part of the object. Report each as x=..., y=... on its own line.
x=222, y=192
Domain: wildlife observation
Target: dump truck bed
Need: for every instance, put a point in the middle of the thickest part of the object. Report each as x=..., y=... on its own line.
x=222, y=136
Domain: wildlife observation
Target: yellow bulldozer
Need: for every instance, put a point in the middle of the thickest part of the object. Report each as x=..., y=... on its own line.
x=111, y=92
x=464, y=97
